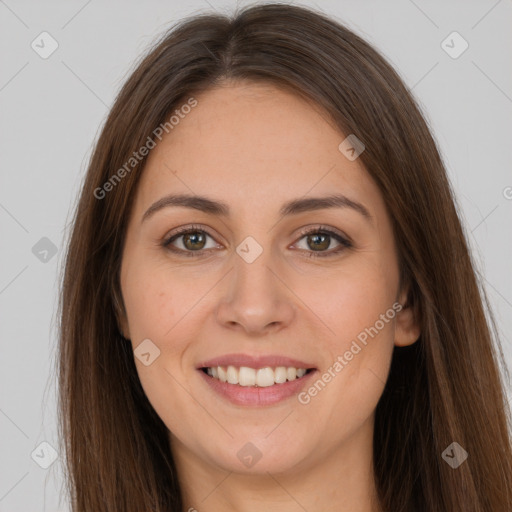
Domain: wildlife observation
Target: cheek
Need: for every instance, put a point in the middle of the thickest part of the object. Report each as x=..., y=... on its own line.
x=156, y=300
x=346, y=302
x=356, y=307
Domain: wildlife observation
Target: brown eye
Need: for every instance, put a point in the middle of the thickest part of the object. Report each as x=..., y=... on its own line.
x=194, y=241
x=318, y=241
x=188, y=241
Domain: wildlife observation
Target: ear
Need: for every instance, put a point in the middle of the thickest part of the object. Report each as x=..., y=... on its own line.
x=120, y=313
x=407, y=325
x=122, y=324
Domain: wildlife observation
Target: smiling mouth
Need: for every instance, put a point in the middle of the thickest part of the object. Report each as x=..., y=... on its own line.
x=245, y=376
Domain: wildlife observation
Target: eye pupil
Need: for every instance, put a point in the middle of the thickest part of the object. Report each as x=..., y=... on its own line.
x=323, y=244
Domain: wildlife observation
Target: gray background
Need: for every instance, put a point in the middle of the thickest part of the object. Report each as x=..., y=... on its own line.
x=51, y=113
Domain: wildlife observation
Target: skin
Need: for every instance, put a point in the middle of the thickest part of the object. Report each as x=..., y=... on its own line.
x=254, y=147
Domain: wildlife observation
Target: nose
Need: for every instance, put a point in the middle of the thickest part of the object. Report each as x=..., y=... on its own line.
x=257, y=299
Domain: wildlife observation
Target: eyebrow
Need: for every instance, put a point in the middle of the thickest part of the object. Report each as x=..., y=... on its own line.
x=219, y=208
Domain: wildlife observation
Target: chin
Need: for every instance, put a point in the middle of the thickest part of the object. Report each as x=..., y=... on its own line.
x=260, y=456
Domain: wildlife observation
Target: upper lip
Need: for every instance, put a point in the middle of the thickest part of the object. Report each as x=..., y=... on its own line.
x=258, y=361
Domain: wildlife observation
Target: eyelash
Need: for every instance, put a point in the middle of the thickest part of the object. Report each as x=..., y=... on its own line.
x=345, y=244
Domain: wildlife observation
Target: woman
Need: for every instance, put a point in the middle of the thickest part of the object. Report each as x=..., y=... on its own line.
x=268, y=299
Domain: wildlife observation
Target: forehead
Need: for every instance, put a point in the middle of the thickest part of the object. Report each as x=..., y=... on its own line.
x=254, y=142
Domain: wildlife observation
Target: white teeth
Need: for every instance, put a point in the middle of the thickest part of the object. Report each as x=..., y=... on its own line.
x=291, y=373
x=280, y=374
x=261, y=377
x=247, y=376
x=265, y=377
x=232, y=375
x=222, y=374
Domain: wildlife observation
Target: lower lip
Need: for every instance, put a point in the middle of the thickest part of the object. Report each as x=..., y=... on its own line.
x=257, y=396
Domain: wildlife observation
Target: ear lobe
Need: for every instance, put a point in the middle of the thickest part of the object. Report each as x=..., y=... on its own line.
x=122, y=322
x=123, y=327
x=407, y=325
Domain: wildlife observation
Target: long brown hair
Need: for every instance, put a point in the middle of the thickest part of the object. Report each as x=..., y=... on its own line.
x=444, y=388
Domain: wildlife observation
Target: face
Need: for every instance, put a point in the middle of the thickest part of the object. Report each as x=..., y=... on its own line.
x=314, y=288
